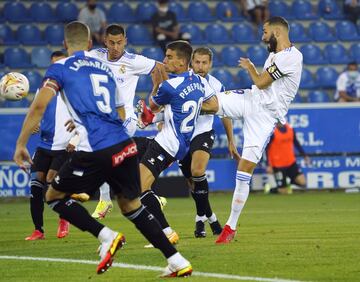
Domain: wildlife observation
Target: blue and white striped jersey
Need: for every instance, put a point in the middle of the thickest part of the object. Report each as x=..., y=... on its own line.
x=182, y=97
x=88, y=88
x=53, y=134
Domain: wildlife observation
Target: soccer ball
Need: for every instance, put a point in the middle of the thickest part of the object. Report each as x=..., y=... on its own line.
x=14, y=86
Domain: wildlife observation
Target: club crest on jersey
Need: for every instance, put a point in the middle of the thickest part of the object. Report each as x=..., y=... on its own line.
x=128, y=151
x=122, y=69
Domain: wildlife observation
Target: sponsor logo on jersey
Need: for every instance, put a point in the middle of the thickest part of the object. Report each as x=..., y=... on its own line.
x=206, y=145
x=151, y=161
x=238, y=91
x=128, y=151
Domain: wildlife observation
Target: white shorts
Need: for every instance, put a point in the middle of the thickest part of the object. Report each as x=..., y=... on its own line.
x=130, y=125
x=259, y=123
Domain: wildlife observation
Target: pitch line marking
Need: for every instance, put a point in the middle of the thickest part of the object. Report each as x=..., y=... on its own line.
x=149, y=267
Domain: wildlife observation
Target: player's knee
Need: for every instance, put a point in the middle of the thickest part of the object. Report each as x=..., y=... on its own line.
x=52, y=194
x=197, y=170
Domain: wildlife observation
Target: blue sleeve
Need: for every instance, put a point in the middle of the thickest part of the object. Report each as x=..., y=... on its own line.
x=163, y=95
x=55, y=73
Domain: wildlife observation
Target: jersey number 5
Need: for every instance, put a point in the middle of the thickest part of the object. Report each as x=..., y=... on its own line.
x=100, y=90
x=193, y=109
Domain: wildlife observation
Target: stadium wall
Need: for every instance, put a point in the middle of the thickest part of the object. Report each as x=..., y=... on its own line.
x=329, y=132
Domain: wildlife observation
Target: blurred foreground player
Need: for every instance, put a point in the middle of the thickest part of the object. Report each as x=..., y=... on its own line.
x=105, y=152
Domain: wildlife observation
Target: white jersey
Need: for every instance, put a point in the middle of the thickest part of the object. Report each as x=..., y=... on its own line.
x=53, y=133
x=348, y=82
x=204, y=123
x=126, y=70
x=285, y=67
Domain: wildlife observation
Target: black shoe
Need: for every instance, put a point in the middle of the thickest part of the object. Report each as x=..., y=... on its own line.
x=216, y=228
x=200, y=229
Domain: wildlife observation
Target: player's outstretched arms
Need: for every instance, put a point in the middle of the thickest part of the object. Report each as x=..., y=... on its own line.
x=210, y=106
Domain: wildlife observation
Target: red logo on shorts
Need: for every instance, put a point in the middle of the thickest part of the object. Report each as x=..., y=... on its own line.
x=128, y=151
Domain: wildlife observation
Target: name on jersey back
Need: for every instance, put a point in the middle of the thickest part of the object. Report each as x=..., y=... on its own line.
x=190, y=88
x=95, y=64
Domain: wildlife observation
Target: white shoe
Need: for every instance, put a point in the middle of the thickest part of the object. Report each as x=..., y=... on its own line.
x=107, y=251
x=177, y=271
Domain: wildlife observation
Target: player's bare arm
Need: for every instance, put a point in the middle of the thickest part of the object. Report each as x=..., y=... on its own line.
x=261, y=80
x=210, y=106
x=157, y=77
x=121, y=112
x=32, y=119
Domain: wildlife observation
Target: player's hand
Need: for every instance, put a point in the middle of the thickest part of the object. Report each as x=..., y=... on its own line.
x=70, y=148
x=269, y=170
x=22, y=158
x=36, y=129
x=70, y=125
x=160, y=125
x=245, y=63
x=157, y=77
x=233, y=151
x=164, y=74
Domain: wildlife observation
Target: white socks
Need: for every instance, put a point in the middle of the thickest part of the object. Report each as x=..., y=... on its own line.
x=105, y=192
x=106, y=234
x=177, y=261
x=240, y=196
x=212, y=218
x=200, y=218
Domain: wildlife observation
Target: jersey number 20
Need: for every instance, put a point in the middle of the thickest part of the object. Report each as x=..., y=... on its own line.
x=193, y=109
x=100, y=90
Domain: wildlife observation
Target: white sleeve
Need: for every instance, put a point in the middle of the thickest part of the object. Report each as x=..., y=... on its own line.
x=144, y=65
x=209, y=91
x=341, y=83
x=285, y=63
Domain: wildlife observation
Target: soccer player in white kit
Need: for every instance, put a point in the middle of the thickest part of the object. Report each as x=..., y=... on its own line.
x=261, y=107
x=127, y=68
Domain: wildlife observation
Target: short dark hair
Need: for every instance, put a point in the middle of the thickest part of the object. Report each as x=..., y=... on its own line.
x=278, y=21
x=163, y=1
x=203, y=51
x=352, y=63
x=183, y=49
x=114, y=29
x=76, y=33
x=57, y=54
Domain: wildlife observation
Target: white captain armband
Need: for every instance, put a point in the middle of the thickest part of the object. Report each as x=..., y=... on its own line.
x=274, y=72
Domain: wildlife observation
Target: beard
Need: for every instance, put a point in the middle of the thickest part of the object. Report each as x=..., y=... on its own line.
x=272, y=44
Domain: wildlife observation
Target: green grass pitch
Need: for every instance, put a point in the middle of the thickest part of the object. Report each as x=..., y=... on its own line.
x=306, y=237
